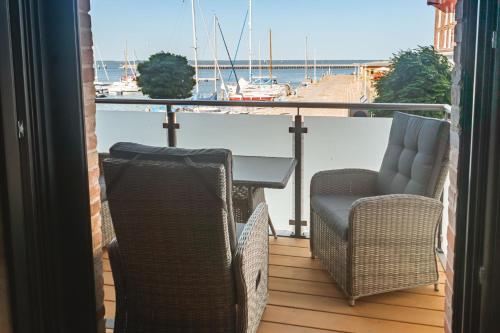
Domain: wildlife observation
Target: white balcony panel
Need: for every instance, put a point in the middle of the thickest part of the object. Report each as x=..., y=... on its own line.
x=331, y=143
x=133, y=126
x=336, y=143
x=254, y=135
x=243, y=134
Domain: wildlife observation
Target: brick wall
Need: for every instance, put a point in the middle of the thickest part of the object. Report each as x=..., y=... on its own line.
x=87, y=63
x=455, y=132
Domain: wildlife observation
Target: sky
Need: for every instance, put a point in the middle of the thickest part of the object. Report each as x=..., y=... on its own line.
x=336, y=29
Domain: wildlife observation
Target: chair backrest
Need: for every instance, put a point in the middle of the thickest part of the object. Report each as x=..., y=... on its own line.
x=129, y=150
x=417, y=156
x=171, y=224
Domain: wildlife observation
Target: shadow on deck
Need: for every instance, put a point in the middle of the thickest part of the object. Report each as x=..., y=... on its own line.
x=303, y=298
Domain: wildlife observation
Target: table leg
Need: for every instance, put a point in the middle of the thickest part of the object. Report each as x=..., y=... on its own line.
x=272, y=227
x=251, y=204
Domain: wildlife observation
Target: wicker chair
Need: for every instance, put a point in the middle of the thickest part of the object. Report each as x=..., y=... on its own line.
x=179, y=262
x=375, y=231
x=108, y=233
x=245, y=200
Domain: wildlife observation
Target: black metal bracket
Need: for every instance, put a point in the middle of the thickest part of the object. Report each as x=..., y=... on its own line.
x=302, y=223
x=167, y=125
x=171, y=127
x=301, y=235
x=300, y=130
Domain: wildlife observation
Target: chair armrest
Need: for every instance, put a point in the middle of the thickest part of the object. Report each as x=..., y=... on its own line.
x=392, y=242
x=251, y=270
x=394, y=224
x=344, y=181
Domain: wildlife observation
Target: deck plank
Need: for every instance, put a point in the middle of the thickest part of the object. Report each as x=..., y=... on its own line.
x=299, y=273
x=292, y=251
x=106, y=265
x=298, y=242
x=303, y=298
x=362, y=309
x=340, y=322
x=110, y=309
x=279, y=260
x=434, y=302
x=108, y=279
x=109, y=293
x=270, y=327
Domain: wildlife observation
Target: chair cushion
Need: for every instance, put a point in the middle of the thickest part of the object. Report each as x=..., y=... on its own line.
x=334, y=210
x=417, y=152
x=129, y=150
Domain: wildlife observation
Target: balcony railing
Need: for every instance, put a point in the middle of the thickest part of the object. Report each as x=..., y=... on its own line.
x=325, y=133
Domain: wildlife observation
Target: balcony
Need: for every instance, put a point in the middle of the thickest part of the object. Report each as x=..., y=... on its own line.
x=302, y=296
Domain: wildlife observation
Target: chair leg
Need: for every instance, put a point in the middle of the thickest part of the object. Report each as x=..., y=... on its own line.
x=272, y=227
x=436, y=286
x=352, y=301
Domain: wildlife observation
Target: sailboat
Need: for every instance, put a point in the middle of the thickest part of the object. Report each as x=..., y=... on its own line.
x=196, y=94
x=307, y=79
x=258, y=88
x=101, y=88
x=128, y=81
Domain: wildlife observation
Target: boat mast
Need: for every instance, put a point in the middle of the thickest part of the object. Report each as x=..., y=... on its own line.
x=125, y=65
x=215, y=55
x=315, y=65
x=195, y=47
x=306, y=64
x=102, y=63
x=271, y=56
x=260, y=63
x=250, y=40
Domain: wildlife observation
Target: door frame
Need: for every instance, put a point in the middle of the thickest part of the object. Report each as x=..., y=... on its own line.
x=478, y=197
x=45, y=210
x=45, y=201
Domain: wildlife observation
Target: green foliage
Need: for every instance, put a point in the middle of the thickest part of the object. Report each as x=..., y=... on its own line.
x=166, y=75
x=416, y=76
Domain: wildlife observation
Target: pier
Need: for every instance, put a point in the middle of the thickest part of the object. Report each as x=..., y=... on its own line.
x=284, y=66
x=331, y=88
x=298, y=65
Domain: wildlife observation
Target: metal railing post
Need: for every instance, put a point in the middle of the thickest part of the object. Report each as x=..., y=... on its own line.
x=171, y=127
x=298, y=130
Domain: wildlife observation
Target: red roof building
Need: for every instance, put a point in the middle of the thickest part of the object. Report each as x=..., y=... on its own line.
x=444, y=26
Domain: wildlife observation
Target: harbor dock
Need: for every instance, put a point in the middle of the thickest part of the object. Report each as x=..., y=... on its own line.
x=330, y=88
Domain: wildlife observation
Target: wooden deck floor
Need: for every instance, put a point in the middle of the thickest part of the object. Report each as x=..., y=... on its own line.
x=303, y=298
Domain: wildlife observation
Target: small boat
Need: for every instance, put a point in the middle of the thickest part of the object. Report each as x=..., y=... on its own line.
x=259, y=88
x=101, y=91
x=128, y=81
x=127, y=84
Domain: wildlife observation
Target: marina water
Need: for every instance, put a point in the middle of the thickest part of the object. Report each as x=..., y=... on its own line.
x=294, y=77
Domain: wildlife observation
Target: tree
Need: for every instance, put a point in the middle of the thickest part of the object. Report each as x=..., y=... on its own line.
x=166, y=75
x=416, y=76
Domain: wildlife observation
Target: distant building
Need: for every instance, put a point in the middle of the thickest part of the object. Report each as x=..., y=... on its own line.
x=444, y=26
